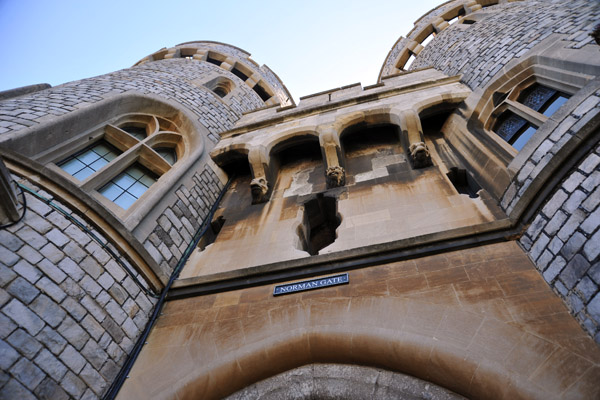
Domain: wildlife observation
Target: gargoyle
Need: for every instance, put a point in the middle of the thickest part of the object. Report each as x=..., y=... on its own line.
x=419, y=153
x=259, y=189
x=335, y=176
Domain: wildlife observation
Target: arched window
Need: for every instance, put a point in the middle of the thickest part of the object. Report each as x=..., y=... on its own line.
x=127, y=156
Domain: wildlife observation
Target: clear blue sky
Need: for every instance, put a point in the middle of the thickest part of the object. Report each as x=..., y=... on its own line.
x=311, y=45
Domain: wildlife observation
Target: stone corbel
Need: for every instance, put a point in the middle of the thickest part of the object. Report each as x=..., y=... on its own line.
x=413, y=139
x=259, y=165
x=335, y=174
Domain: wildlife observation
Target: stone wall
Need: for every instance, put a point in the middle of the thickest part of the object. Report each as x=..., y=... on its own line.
x=69, y=313
x=169, y=79
x=480, y=50
x=564, y=242
x=177, y=225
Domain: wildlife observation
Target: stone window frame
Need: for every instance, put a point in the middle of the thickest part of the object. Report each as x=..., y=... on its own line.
x=160, y=133
x=219, y=85
x=504, y=95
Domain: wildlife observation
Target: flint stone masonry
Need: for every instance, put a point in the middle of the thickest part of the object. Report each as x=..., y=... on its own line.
x=179, y=222
x=58, y=338
x=478, y=51
x=170, y=79
x=570, y=263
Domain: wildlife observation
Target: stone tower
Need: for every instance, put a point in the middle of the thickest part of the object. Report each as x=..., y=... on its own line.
x=182, y=229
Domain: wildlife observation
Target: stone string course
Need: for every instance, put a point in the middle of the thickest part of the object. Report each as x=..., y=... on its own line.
x=179, y=222
x=480, y=50
x=69, y=313
x=564, y=242
x=170, y=79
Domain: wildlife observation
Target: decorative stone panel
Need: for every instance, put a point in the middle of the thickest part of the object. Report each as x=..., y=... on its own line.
x=69, y=313
x=564, y=242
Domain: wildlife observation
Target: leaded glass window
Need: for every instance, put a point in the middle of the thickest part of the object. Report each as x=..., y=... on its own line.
x=543, y=99
x=121, y=161
x=129, y=185
x=516, y=129
x=138, y=132
x=91, y=159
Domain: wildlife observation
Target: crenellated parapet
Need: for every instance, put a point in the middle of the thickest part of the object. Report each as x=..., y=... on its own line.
x=261, y=79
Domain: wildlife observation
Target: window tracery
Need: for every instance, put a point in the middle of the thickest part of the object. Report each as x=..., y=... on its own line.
x=522, y=111
x=128, y=156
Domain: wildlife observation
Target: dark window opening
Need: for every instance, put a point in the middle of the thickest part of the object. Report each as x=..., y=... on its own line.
x=237, y=165
x=468, y=21
x=211, y=233
x=261, y=92
x=239, y=74
x=320, y=223
x=293, y=152
x=360, y=137
x=219, y=91
x=138, y=132
x=213, y=61
x=463, y=182
x=498, y=98
x=514, y=129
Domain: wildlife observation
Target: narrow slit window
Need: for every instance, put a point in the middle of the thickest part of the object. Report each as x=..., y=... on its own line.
x=239, y=74
x=84, y=163
x=129, y=185
x=261, y=92
x=213, y=61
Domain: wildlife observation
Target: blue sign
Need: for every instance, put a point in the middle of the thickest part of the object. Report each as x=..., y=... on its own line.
x=311, y=284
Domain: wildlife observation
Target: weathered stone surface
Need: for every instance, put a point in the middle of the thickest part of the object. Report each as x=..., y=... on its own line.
x=23, y=317
x=51, y=365
x=26, y=344
x=27, y=373
x=72, y=358
x=22, y=290
x=50, y=390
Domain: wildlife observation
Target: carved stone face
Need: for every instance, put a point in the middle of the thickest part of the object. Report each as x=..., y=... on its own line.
x=336, y=176
x=259, y=189
x=420, y=155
